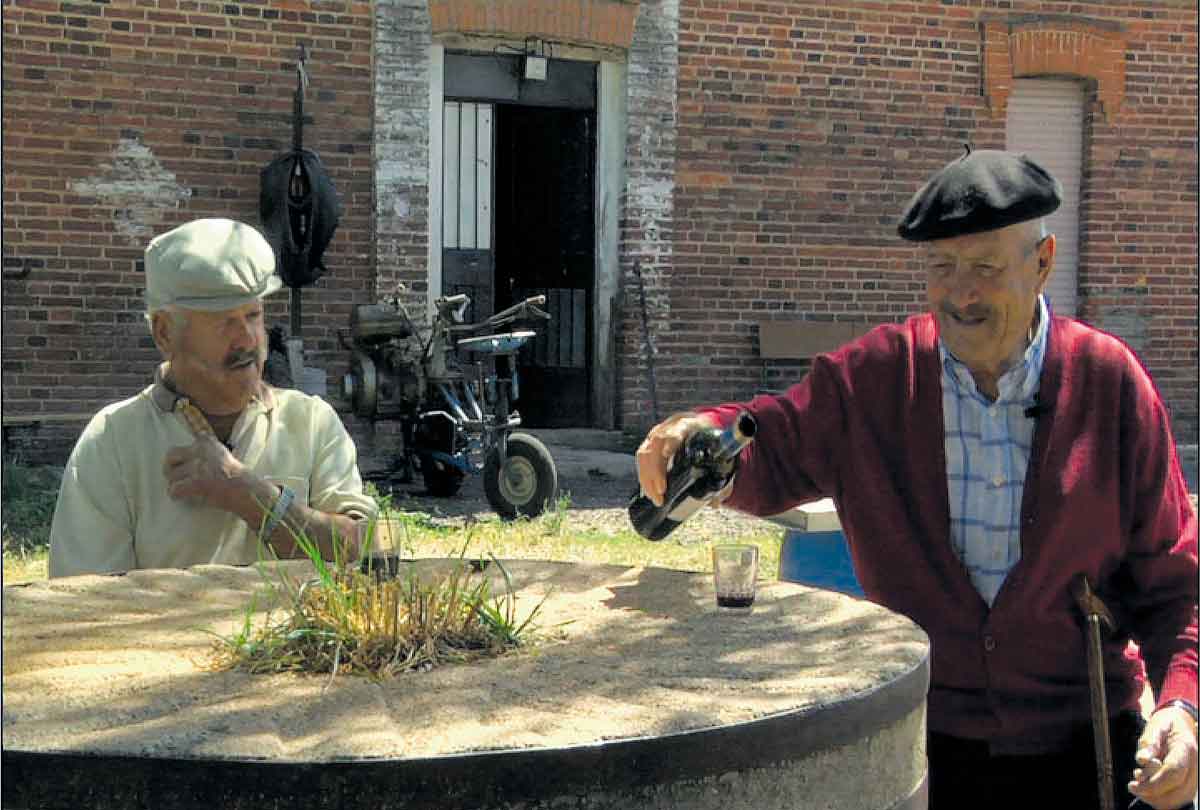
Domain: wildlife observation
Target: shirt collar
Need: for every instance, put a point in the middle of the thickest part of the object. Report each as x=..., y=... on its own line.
x=165, y=397
x=1018, y=384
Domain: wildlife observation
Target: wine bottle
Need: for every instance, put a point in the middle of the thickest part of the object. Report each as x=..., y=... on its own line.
x=699, y=470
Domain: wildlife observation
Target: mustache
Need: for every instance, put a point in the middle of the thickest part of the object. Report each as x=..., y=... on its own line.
x=970, y=313
x=240, y=358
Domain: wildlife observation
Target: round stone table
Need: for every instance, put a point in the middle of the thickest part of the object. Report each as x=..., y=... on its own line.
x=638, y=695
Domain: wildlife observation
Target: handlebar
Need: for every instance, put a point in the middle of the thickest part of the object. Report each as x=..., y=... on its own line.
x=524, y=310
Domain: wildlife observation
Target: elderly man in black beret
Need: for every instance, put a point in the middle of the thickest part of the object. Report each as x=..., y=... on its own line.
x=986, y=457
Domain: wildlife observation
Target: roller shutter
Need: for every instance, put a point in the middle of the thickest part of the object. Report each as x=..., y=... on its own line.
x=1045, y=120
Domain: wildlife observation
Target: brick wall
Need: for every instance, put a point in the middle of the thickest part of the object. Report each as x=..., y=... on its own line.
x=122, y=120
x=805, y=127
x=594, y=22
x=770, y=148
x=1139, y=238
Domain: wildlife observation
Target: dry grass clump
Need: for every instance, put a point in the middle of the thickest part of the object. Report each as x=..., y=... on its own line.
x=379, y=622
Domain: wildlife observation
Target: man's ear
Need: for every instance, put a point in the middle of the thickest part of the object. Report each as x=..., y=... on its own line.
x=1046, y=250
x=161, y=329
x=1045, y=260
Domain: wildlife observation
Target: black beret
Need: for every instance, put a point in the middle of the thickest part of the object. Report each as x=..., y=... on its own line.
x=980, y=191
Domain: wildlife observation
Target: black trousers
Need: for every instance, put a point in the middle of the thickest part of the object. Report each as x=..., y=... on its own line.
x=966, y=774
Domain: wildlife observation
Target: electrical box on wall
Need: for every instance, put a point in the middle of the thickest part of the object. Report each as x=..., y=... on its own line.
x=534, y=68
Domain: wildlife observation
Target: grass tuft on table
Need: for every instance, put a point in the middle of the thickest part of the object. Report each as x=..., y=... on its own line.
x=374, y=621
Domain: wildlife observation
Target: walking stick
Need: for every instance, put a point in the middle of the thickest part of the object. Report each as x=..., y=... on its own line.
x=1098, y=619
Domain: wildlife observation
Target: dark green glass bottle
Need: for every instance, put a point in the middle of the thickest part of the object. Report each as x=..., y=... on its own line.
x=699, y=470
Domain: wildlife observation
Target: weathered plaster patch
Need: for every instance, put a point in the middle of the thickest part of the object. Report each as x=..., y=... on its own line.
x=652, y=120
x=653, y=89
x=402, y=144
x=138, y=186
x=400, y=206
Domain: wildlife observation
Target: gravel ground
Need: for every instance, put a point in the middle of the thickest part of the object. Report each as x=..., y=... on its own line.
x=598, y=502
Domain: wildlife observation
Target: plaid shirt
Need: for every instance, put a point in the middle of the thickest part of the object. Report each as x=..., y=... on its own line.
x=987, y=453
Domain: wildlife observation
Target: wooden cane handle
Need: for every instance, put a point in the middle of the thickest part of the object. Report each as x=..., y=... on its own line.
x=194, y=418
x=1092, y=605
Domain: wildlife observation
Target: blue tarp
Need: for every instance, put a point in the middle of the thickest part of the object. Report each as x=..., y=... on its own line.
x=820, y=559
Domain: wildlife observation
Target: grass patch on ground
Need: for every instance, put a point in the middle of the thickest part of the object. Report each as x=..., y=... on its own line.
x=550, y=537
x=529, y=541
x=27, y=566
x=29, y=495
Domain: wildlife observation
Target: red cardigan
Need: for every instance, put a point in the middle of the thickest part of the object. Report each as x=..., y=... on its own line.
x=1104, y=496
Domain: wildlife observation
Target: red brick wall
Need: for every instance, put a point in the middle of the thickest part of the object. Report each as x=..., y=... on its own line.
x=798, y=132
x=596, y=22
x=804, y=128
x=122, y=120
x=1138, y=244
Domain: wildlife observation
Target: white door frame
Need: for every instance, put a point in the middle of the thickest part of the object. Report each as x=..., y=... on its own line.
x=611, y=125
x=611, y=122
x=437, y=55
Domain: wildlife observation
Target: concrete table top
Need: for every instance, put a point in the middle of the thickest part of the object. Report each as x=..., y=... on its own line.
x=120, y=666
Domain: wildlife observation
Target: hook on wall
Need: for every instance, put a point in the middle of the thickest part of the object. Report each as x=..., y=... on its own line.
x=300, y=68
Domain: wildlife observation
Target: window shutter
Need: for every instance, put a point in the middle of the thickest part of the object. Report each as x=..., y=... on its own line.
x=1045, y=121
x=467, y=176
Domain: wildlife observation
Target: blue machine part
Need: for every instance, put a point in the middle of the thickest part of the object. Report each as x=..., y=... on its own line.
x=819, y=559
x=496, y=344
x=453, y=402
x=474, y=403
x=454, y=461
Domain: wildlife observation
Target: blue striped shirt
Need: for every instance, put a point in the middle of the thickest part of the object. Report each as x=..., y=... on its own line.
x=987, y=453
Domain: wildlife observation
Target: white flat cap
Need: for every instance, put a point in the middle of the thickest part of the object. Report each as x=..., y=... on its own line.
x=209, y=264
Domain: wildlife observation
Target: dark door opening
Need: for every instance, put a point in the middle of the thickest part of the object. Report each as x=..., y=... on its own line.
x=545, y=244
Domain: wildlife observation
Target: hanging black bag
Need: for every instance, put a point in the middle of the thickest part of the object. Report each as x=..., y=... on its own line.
x=299, y=209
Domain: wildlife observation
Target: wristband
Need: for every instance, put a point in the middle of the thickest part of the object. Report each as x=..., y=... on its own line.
x=282, y=503
x=1186, y=705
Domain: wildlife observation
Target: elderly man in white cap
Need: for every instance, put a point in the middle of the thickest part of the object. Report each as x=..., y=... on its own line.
x=208, y=464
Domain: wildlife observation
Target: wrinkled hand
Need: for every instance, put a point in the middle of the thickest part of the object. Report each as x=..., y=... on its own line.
x=204, y=473
x=1166, y=758
x=660, y=446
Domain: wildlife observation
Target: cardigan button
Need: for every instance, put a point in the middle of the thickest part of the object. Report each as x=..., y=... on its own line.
x=989, y=643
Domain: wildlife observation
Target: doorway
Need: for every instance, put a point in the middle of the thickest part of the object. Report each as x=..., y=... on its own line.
x=518, y=203
x=545, y=245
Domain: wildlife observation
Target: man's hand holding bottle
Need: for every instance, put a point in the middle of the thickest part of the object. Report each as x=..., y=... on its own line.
x=683, y=464
x=660, y=446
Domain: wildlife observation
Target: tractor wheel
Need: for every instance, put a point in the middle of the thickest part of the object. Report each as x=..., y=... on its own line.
x=526, y=483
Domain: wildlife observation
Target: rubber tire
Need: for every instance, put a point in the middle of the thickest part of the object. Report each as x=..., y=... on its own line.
x=441, y=480
x=531, y=453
